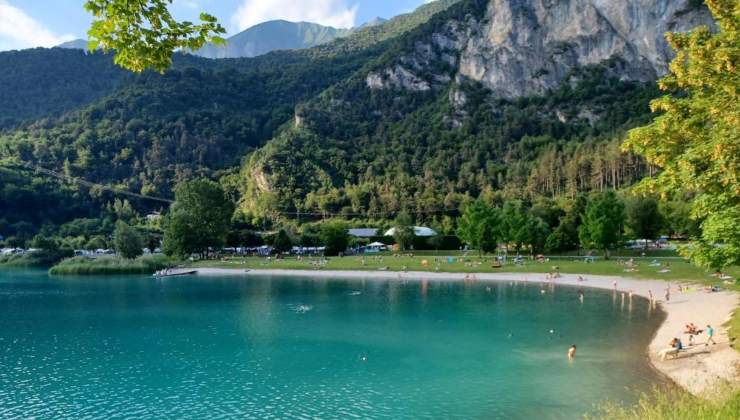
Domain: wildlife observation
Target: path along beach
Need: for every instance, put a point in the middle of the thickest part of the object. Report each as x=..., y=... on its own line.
x=700, y=369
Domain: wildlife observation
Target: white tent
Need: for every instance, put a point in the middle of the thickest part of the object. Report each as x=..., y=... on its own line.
x=418, y=231
x=376, y=244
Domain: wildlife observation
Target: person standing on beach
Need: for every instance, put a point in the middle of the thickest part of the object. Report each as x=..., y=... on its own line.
x=710, y=335
x=668, y=293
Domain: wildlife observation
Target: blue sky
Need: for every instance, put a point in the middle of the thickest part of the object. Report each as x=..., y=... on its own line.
x=32, y=23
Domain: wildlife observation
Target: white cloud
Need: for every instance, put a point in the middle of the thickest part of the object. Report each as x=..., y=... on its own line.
x=18, y=30
x=337, y=13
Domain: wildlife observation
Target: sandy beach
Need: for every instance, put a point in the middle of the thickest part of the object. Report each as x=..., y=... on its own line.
x=700, y=369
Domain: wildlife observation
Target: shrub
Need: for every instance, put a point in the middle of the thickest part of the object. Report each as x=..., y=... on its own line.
x=111, y=265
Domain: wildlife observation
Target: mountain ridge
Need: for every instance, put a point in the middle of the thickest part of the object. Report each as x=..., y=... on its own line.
x=272, y=36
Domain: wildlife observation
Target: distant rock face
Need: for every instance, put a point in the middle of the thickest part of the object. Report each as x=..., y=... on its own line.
x=75, y=44
x=271, y=36
x=373, y=22
x=526, y=47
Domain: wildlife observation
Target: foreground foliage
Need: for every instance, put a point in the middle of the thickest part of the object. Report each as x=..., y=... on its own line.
x=673, y=405
x=696, y=140
x=144, y=34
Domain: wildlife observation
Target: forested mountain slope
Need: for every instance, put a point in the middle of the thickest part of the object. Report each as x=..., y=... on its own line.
x=524, y=96
x=148, y=132
x=38, y=82
x=422, y=112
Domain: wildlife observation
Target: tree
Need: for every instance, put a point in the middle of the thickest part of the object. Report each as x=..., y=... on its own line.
x=522, y=228
x=479, y=227
x=695, y=140
x=144, y=34
x=179, y=237
x=678, y=220
x=281, y=242
x=310, y=235
x=199, y=219
x=96, y=242
x=644, y=219
x=44, y=243
x=334, y=236
x=404, y=229
x=127, y=241
x=602, y=223
x=123, y=210
x=514, y=224
x=537, y=232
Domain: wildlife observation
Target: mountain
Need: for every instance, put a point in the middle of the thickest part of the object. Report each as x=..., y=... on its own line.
x=77, y=44
x=40, y=82
x=260, y=39
x=459, y=99
x=373, y=22
x=524, y=97
x=271, y=36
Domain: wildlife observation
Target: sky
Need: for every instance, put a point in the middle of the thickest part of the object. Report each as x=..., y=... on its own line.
x=45, y=23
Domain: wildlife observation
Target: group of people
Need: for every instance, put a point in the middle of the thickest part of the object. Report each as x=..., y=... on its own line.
x=676, y=345
x=692, y=330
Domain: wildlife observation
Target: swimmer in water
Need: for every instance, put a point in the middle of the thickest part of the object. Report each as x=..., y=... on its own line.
x=572, y=352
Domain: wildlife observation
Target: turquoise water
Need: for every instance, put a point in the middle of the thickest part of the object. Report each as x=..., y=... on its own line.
x=271, y=347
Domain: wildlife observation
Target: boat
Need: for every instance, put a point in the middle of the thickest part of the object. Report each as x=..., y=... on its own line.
x=164, y=273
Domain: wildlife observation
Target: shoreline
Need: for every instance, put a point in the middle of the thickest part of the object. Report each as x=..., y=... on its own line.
x=700, y=369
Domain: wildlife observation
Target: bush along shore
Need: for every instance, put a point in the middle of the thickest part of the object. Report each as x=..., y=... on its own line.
x=40, y=258
x=111, y=265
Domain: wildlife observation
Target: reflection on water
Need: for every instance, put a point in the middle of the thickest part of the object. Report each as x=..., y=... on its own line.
x=280, y=347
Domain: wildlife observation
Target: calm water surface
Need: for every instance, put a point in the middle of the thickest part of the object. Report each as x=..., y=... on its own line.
x=272, y=347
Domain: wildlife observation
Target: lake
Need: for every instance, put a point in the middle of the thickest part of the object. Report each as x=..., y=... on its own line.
x=275, y=347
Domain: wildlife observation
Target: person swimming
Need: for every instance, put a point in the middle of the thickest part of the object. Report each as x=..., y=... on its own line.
x=572, y=352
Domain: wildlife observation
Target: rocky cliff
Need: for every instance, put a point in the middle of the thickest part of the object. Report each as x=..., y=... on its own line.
x=527, y=47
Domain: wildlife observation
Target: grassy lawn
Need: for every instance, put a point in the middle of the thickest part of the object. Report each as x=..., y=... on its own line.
x=679, y=269
x=733, y=329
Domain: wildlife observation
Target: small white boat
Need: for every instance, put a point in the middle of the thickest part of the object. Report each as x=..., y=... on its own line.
x=167, y=273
